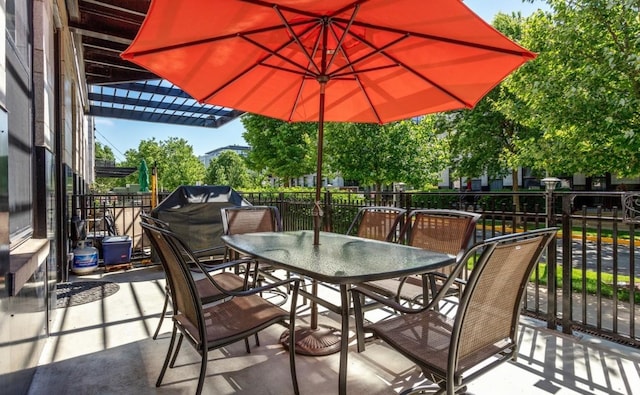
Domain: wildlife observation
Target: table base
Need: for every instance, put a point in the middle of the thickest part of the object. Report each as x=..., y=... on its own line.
x=324, y=340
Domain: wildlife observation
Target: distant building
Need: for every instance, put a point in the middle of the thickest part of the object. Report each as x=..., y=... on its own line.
x=241, y=150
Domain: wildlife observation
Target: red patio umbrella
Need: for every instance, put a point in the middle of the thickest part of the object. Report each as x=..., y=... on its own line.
x=331, y=60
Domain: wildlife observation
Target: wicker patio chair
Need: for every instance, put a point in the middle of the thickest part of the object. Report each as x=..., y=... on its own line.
x=378, y=223
x=452, y=351
x=207, y=292
x=446, y=231
x=236, y=316
x=251, y=219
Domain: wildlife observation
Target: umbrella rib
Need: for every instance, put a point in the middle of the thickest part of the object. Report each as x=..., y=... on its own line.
x=282, y=7
x=354, y=72
x=133, y=54
x=523, y=52
x=372, y=53
x=296, y=38
x=276, y=54
x=297, y=100
x=362, y=71
x=344, y=34
x=258, y=63
x=280, y=68
x=414, y=72
x=298, y=96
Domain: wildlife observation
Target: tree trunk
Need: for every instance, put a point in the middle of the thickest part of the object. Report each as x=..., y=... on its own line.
x=515, y=187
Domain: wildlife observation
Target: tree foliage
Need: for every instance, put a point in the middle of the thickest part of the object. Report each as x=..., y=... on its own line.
x=176, y=163
x=284, y=150
x=104, y=152
x=487, y=139
x=374, y=154
x=104, y=184
x=229, y=168
x=583, y=90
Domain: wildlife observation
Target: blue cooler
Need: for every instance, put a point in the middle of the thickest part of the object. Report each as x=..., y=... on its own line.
x=116, y=250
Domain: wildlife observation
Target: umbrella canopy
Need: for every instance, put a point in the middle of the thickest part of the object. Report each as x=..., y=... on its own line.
x=143, y=176
x=336, y=60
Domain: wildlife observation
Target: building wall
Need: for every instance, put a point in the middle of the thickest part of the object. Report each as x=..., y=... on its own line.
x=23, y=304
x=45, y=143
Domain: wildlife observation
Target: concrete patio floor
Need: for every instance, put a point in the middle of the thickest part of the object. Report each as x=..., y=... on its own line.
x=105, y=347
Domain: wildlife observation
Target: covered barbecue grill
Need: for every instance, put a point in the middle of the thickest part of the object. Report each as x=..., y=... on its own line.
x=193, y=212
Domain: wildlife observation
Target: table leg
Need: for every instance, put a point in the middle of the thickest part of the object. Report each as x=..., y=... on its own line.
x=344, y=340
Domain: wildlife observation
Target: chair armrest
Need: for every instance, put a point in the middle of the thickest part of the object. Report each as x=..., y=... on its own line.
x=253, y=291
x=207, y=251
x=223, y=265
x=384, y=300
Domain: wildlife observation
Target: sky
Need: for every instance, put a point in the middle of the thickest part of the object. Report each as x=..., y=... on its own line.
x=122, y=135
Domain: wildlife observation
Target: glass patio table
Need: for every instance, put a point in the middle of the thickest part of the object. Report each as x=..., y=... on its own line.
x=339, y=259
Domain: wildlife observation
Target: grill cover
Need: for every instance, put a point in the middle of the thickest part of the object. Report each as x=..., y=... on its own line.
x=193, y=212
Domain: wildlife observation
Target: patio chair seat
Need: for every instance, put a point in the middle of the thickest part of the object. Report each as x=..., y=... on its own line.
x=454, y=350
x=238, y=315
x=229, y=281
x=206, y=290
x=427, y=338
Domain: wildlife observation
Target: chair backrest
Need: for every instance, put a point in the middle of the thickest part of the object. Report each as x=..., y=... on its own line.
x=489, y=309
x=154, y=221
x=184, y=293
x=149, y=220
x=378, y=223
x=250, y=219
x=446, y=231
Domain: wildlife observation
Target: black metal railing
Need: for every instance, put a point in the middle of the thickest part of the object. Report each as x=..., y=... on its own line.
x=596, y=292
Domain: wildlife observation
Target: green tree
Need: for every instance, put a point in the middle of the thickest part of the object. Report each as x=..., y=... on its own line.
x=583, y=90
x=376, y=155
x=104, y=152
x=229, y=168
x=104, y=184
x=485, y=141
x=284, y=150
x=176, y=163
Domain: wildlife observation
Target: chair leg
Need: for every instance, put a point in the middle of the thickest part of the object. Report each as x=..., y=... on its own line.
x=203, y=370
x=164, y=312
x=175, y=355
x=292, y=340
x=358, y=301
x=166, y=359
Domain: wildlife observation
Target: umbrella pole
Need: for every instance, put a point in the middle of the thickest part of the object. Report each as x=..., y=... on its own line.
x=317, y=209
x=316, y=341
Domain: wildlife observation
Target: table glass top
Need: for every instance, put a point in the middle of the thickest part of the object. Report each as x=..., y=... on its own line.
x=338, y=258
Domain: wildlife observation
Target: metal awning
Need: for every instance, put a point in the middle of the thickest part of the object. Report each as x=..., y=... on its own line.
x=155, y=101
x=120, y=89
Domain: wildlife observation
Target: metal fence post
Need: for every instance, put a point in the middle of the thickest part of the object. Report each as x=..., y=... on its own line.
x=567, y=267
x=550, y=184
x=328, y=212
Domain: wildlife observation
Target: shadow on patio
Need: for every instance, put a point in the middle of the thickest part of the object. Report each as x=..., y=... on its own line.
x=105, y=347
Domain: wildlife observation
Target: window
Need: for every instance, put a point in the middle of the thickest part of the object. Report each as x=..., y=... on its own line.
x=20, y=120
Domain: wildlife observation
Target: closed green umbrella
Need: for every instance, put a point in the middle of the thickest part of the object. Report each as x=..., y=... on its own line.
x=143, y=176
